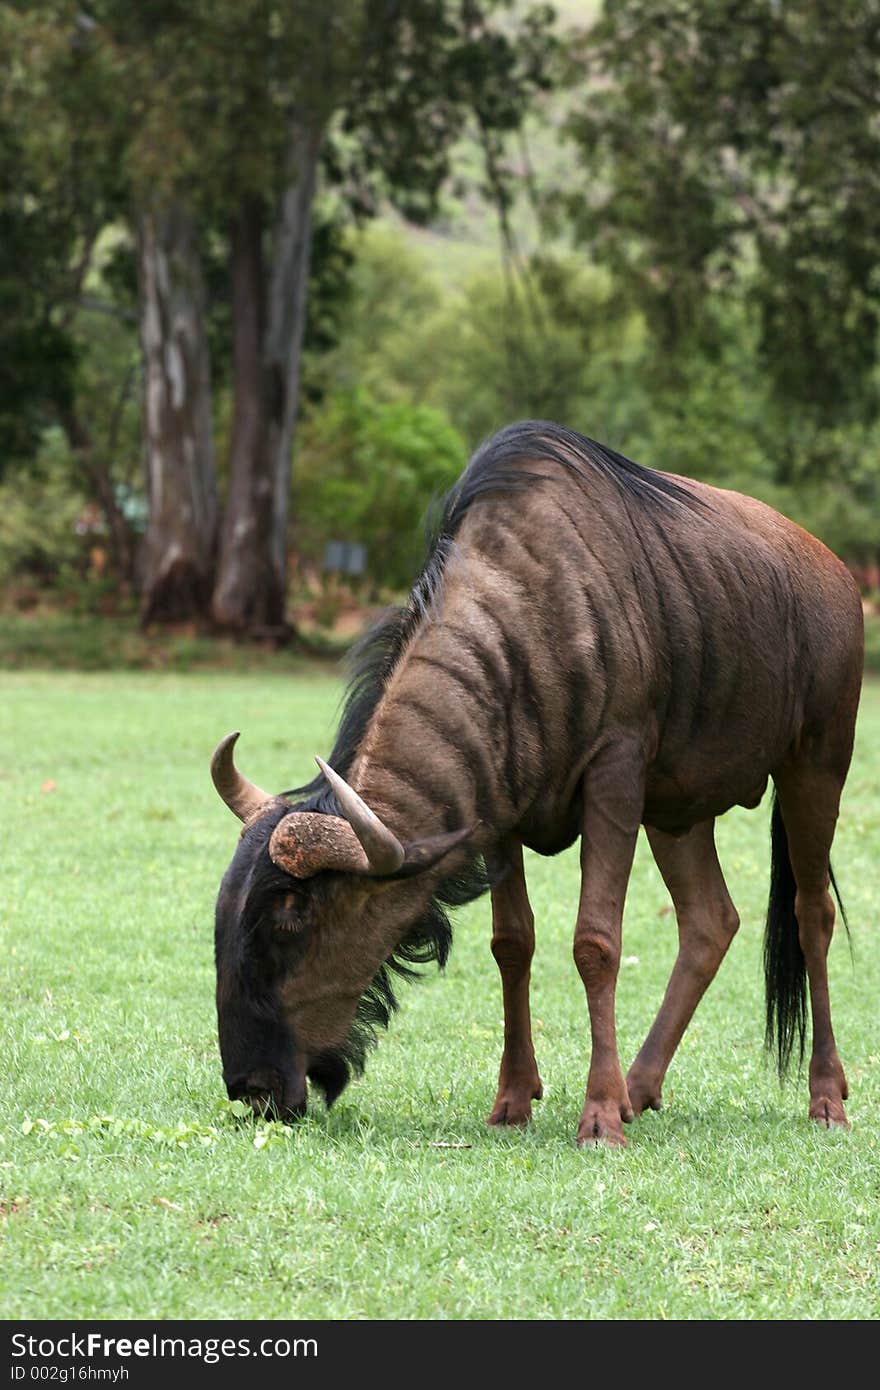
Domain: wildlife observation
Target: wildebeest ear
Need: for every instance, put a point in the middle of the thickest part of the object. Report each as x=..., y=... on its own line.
x=424, y=854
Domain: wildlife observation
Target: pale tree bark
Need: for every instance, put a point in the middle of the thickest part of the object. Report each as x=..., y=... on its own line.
x=182, y=531
x=269, y=314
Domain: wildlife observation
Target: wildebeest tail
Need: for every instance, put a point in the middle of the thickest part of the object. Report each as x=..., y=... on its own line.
x=785, y=975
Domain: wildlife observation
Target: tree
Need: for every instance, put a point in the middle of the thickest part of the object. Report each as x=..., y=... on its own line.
x=731, y=146
x=36, y=353
x=256, y=99
x=383, y=89
x=60, y=184
x=182, y=490
x=213, y=125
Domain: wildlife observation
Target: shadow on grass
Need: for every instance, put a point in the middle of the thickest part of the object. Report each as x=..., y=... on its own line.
x=452, y=1131
x=53, y=641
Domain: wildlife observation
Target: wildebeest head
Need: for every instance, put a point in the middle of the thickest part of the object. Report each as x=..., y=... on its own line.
x=309, y=910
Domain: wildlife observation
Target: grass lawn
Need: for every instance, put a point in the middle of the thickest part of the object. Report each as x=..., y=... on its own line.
x=127, y=1189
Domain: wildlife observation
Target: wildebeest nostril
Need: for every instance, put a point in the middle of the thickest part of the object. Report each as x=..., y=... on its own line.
x=265, y=1092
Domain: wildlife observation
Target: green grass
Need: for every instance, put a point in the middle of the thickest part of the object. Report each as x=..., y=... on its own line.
x=127, y=1189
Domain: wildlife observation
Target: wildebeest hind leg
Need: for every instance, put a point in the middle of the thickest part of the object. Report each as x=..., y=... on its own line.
x=707, y=923
x=513, y=944
x=809, y=798
x=613, y=792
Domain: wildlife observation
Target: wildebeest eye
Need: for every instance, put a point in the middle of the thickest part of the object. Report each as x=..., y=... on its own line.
x=289, y=921
x=287, y=928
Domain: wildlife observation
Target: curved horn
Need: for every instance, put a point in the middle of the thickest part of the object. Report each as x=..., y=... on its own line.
x=384, y=851
x=240, y=795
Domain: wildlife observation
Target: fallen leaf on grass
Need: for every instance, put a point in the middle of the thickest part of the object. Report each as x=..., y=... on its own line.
x=169, y=1206
x=49, y=785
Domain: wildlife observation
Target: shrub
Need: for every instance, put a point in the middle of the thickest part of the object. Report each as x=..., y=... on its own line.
x=367, y=471
x=45, y=538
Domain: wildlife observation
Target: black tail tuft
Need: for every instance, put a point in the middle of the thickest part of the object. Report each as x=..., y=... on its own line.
x=842, y=911
x=785, y=975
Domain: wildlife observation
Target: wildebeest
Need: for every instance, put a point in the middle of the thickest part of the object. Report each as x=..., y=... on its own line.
x=592, y=646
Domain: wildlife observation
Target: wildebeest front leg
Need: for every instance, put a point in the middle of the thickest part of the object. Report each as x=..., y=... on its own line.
x=513, y=944
x=707, y=922
x=613, y=792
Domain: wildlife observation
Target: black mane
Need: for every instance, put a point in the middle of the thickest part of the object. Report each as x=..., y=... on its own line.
x=492, y=469
x=428, y=939
x=495, y=467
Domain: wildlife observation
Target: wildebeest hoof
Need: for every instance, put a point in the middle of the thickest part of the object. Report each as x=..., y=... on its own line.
x=644, y=1094
x=829, y=1113
x=601, y=1123
x=510, y=1113
x=514, y=1107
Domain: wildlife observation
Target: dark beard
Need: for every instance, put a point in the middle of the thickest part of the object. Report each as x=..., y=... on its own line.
x=330, y=1072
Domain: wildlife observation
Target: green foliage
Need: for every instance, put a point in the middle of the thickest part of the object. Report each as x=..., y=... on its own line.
x=729, y=147
x=391, y=302
x=551, y=340
x=36, y=361
x=36, y=353
x=721, y=320
x=831, y=486
x=40, y=544
x=721, y=422
x=51, y=639
x=126, y=107
x=60, y=182
x=548, y=343
x=107, y=381
x=560, y=340
x=714, y=421
x=872, y=636
x=427, y=69
x=87, y=463
x=367, y=472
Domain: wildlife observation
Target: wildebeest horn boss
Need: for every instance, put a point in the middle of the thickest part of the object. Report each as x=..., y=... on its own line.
x=592, y=646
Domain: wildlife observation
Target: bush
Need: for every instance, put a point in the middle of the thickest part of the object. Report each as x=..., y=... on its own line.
x=553, y=342
x=550, y=344
x=44, y=539
x=367, y=471
x=393, y=298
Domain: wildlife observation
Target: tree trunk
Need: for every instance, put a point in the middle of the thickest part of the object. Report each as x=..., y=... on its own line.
x=269, y=314
x=96, y=477
x=182, y=531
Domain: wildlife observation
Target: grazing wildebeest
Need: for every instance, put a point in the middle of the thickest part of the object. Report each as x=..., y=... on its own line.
x=592, y=646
